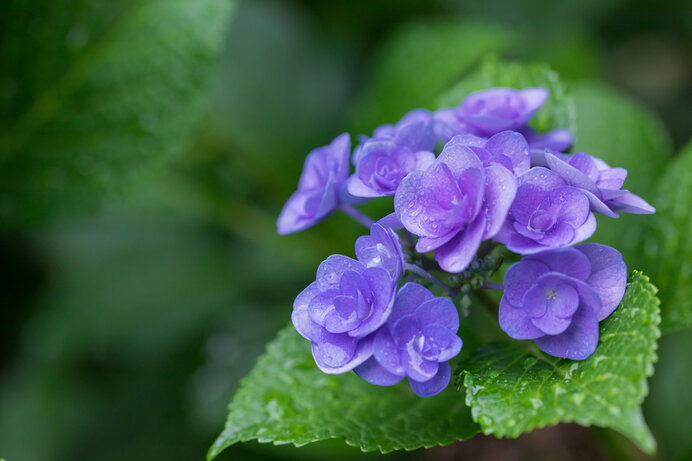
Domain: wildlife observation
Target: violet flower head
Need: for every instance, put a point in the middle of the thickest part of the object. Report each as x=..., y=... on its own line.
x=320, y=187
x=487, y=112
x=381, y=249
x=455, y=204
x=415, y=130
x=557, y=298
x=417, y=341
x=340, y=310
x=599, y=182
x=546, y=213
x=381, y=165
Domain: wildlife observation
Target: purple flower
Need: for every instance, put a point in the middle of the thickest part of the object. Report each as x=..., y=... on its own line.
x=456, y=203
x=557, y=298
x=324, y=173
x=415, y=130
x=599, y=182
x=381, y=249
x=340, y=310
x=491, y=111
x=557, y=140
x=381, y=165
x=546, y=213
x=417, y=341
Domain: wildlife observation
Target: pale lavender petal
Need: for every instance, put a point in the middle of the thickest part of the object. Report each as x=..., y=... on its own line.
x=578, y=342
x=459, y=157
x=374, y=373
x=391, y=221
x=608, y=275
x=435, y=385
x=541, y=177
x=423, y=159
x=551, y=324
x=611, y=178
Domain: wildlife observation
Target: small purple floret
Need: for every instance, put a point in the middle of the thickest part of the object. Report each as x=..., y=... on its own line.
x=601, y=183
x=546, y=213
x=340, y=311
x=320, y=187
x=459, y=200
x=557, y=297
x=417, y=342
x=491, y=111
x=415, y=131
x=381, y=249
x=381, y=165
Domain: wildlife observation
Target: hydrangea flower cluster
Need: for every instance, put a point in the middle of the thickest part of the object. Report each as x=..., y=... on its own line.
x=464, y=180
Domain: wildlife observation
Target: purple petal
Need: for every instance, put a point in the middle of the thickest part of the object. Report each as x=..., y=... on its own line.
x=343, y=317
x=391, y=221
x=297, y=214
x=423, y=159
x=374, y=373
x=551, y=324
x=573, y=205
x=435, y=385
x=416, y=367
x=326, y=353
x=559, y=235
x=321, y=305
x=382, y=287
x=439, y=344
x=455, y=255
x=541, y=177
x=500, y=190
x=534, y=99
x=586, y=230
x=358, y=188
x=520, y=277
x=386, y=353
x=515, y=322
x=458, y=157
x=557, y=140
x=598, y=206
x=331, y=269
x=608, y=275
x=567, y=261
x=577, y=342
x=300, y=318
x=409, y=297
x=611, y=178
x=404, y=331
x=439, y=311
x=631, y=203
x=514, y=146
x=570, y=174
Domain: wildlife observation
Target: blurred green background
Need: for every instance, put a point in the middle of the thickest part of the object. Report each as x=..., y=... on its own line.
x=146, y=149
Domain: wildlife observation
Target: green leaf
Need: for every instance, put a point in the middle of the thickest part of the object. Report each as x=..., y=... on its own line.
x=558, y=110
x=625, y=134
x=668, y=248
x=513, y=389
x=125, y=96
x=418, y=62
x=287, y=399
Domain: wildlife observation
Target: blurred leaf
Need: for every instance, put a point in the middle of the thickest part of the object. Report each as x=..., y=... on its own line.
x=558, y=110
x=669, y=402
x=418, y=62
x=125, y=99
x=625, y=134
x=512, y=390
x=287, y=399
x=668, y=243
